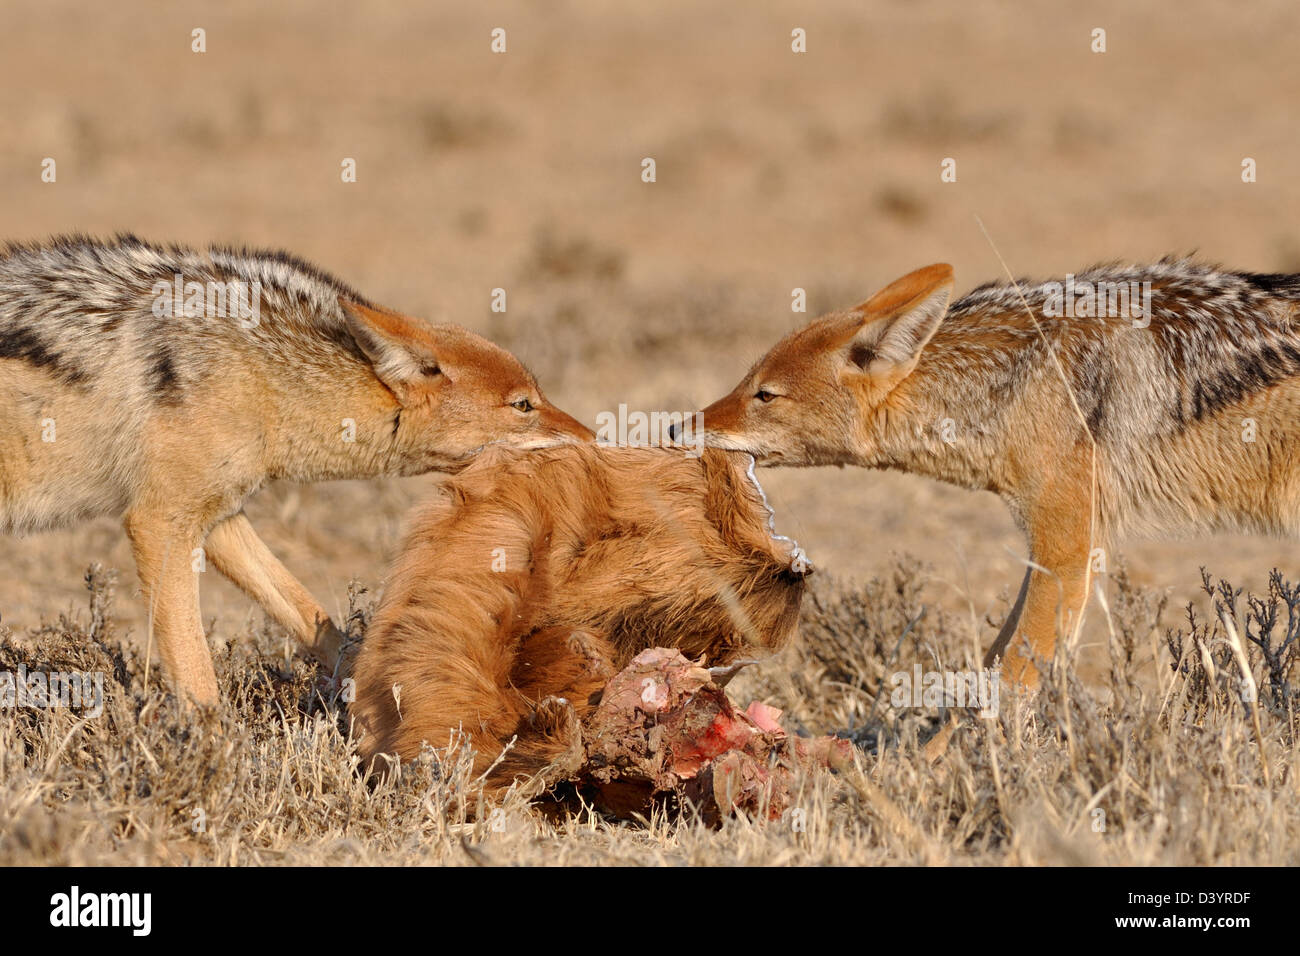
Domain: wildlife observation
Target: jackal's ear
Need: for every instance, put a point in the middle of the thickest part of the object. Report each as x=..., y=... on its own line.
x=398, y=347
x=898, y=321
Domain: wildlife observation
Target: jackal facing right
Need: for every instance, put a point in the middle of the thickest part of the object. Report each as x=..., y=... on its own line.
x=1192, y=404
x=166, y=385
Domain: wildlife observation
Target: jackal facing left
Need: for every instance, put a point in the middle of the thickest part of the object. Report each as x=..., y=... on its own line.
x=1180, y=415
x=166, y=385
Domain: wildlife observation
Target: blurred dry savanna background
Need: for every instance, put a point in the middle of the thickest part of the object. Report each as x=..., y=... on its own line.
x=775, y=170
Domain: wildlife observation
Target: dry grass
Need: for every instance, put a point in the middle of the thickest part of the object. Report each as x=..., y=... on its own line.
x=1126, y=773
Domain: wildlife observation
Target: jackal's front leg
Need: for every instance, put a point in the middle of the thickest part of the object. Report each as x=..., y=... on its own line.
x=163, y=552
x=1053, y=596
x=239, y=554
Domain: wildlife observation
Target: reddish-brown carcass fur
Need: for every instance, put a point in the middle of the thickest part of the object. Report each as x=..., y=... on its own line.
x=536, y=576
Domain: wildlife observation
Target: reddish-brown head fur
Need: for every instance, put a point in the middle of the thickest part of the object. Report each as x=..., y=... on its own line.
x=457, y=391
x=809, y=401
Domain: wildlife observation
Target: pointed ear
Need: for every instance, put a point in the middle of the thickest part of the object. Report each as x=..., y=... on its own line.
x=398, y=348
x=899, y=320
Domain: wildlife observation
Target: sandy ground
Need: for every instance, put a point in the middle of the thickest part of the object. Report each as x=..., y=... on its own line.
x=775, y=170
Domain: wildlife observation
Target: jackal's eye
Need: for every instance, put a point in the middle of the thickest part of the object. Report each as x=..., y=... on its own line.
x=523, y=405
x=764, y=396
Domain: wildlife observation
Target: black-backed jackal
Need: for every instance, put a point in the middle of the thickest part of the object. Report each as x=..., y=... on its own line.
x=165, y=385
x=1156, y=399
